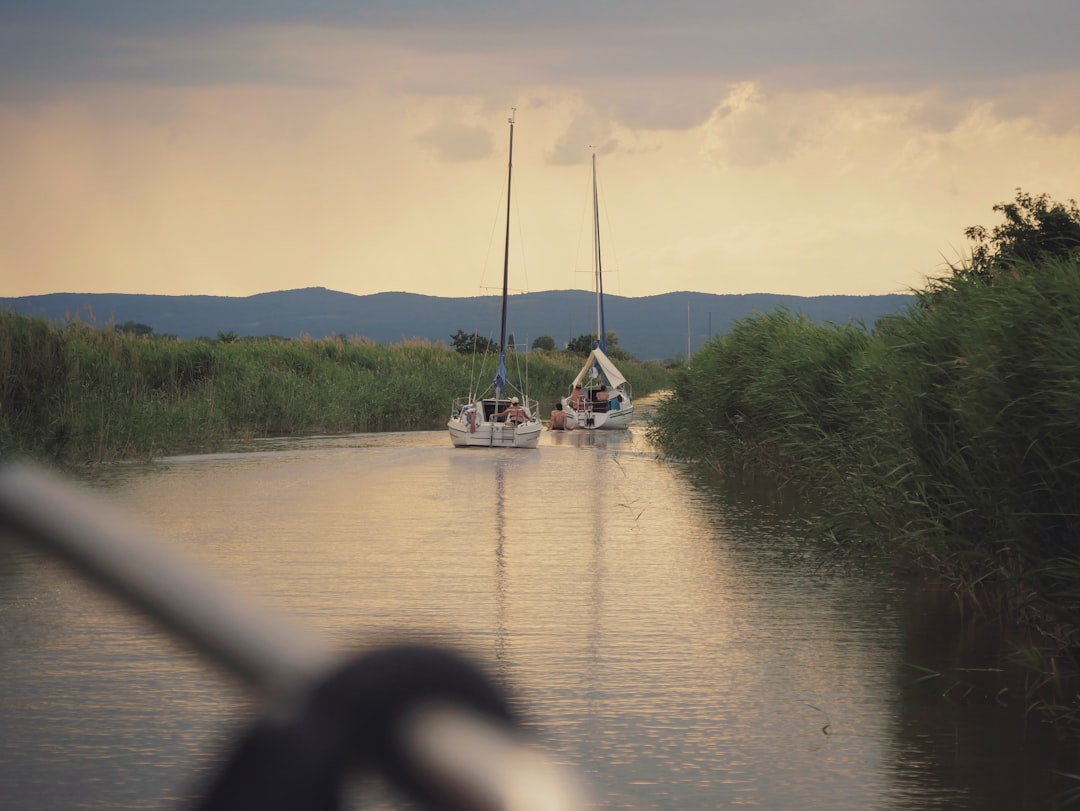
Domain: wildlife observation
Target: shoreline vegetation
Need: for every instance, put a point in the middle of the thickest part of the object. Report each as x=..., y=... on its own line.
x=945, y=440
x=76, y=394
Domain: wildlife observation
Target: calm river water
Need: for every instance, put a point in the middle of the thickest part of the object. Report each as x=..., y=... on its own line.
x=663, y=638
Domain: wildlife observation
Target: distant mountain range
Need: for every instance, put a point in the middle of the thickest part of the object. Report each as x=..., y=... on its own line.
x=649, y=328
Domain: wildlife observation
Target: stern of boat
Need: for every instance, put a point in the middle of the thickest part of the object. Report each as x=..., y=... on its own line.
x=471, y=426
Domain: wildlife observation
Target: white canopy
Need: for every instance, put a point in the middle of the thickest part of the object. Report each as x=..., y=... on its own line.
x=609, y=374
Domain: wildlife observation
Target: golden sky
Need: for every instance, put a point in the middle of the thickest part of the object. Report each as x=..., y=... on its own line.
x=768, y=146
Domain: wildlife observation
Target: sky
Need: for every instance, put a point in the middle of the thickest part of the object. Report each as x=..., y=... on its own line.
x=780, y=146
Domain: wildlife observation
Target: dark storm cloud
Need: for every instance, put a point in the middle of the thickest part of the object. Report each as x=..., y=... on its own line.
x=643, y=54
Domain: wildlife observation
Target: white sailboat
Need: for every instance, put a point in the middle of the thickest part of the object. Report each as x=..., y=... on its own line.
x=494, y=418
x=600, y=397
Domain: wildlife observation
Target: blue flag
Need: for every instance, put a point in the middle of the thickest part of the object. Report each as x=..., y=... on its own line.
x=500, y=376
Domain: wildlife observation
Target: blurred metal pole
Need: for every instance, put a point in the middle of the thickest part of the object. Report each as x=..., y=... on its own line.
x=477, y=760
x=102, y=544
x=465, y=756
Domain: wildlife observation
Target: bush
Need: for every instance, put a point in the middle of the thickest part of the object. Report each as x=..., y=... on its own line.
x=950, y=435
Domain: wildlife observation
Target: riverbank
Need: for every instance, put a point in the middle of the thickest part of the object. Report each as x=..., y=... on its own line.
x=77, y=394
x=947, y=437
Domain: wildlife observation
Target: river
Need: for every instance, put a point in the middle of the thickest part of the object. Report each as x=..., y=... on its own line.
x=666, y=639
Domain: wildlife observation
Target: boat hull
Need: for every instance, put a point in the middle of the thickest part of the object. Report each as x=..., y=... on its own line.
x=599, y=420
x=495, y=435
x=472, y=424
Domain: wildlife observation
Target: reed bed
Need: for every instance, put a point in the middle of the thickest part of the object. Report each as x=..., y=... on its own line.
x=948, y=436
x=75, y=394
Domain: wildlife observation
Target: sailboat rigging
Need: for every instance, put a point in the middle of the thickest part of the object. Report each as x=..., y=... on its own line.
x=600, y=396
x=497, y=421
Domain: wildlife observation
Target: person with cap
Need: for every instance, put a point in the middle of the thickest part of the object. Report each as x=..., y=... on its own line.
x=512, y=413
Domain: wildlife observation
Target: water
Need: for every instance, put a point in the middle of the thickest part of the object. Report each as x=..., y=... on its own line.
x=666, y=640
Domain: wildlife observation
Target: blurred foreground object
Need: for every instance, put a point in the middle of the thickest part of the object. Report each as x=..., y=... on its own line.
x=428, y=720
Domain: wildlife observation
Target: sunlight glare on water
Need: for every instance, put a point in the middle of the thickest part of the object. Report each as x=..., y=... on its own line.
x=665, y=642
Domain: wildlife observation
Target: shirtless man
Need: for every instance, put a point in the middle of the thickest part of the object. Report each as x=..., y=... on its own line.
x=577, y=398
x=558, y=419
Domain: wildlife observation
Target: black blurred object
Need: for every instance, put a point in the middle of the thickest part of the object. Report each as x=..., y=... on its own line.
x=352, y=724
x=428, y=721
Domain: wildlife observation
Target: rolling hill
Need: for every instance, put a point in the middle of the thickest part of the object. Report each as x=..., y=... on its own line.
x=649, y=328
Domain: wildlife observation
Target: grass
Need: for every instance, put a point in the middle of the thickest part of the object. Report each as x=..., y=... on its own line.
x=77, y=394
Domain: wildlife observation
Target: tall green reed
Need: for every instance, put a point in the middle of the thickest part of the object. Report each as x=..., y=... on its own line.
x=950, y=435
x=77, y=393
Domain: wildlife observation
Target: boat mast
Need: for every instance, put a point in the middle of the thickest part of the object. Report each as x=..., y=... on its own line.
x=601, y=334
x=500, y=377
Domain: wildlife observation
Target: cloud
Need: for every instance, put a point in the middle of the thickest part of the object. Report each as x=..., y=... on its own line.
x=588, y=131
x=650, y=66
x=746, y=146
x=453, y=142
x=1049, y=102
x=749, y=129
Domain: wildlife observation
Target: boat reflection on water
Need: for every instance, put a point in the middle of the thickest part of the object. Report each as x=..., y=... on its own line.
x=501, y=666
x=590, y=439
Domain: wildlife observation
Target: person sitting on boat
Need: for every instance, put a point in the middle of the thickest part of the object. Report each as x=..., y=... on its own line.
x=614, y=404
x=577, y=398
x=513, y=413
x=558, y=419
x=470, y=418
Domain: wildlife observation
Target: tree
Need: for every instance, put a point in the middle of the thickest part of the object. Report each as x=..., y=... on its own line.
x=583, y=344
x=544, y=342
x=468, y=343
x=134, y=328
x=1035, y=229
